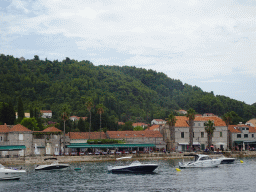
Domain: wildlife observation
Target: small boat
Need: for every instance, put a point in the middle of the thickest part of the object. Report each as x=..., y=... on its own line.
x=53, y=166
x=227, y=160
x=10, y=173
x=201, y=161
x=134, y=167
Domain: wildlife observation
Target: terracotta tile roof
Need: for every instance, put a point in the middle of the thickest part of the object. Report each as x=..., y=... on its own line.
x=253, y=121
x=133, y=134
x=153, y=127
x=120, y=123
x=139, y=124
x=45, y=111
x=51, y=129
x=85, y=135
x=235, y=128
x=182, y=121
x=4, y=129
x=19, y=128
x=158, y=119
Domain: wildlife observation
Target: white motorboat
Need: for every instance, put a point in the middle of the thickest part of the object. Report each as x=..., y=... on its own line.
x=53, y=166
x=201, y=161
x=11, y=173
x=227, y=160
x=134, y=167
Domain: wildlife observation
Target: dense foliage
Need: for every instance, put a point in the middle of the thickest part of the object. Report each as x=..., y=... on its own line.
x=127, y=93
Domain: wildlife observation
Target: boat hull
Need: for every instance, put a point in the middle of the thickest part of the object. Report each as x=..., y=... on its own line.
x=12, y=174
x=134, y=169
x=227, y=160
x=51, y=167
x=209, y=164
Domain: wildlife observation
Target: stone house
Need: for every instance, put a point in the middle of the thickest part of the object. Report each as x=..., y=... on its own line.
x=242, y=137
x=48, y=142
x=46, y=113
x=158, y=122
x=220, y=135
x=144, y=125
x=143, y=137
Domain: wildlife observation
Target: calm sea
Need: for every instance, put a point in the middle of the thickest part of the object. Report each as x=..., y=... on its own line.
x=94, y=177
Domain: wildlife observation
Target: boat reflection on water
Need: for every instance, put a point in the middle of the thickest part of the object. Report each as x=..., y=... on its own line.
x=134, y=167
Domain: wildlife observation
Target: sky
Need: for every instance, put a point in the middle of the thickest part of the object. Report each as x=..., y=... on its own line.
x=207, y=43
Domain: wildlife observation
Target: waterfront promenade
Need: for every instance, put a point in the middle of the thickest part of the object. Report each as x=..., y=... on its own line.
x=99, y=158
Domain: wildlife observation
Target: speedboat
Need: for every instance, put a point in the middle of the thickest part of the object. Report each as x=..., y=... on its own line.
x=227, y=160
x=53, y=166
x=201, y=161
x=134, y=167
x=11, y=173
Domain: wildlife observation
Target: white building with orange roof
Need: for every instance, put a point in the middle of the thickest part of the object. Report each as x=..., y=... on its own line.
x=219, y=139
x=251, y=122
x=144, y=125
x=46, y=113
x=242, y=137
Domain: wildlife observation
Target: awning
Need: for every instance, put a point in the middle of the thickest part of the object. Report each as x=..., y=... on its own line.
x=76, y=145
x=238, y=142
x=12, y=147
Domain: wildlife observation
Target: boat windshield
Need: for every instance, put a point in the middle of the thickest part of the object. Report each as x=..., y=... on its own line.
x=205, y=158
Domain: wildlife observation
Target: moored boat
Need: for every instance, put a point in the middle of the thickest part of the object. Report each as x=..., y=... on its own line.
x=201, y=161
x=53, y=166
x=11, y=174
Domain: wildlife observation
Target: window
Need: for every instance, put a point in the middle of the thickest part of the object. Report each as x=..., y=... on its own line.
x=21, y=137
x=193, y=134
x=220, y=134
x=182, y=134
x=1, y=138
x=199, y=124
x=252, y=135
x=243, y=128
x=238, y=135
x=202, y=134
x=245, y=135
x=247, y=128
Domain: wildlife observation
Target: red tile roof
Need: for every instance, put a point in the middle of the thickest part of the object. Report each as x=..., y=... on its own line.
x=158, y=119
x=4, y=129
x=19, y=128
x=139, y=124
x=45, y=111
x=85, y=135
x=120, y=123
x=182, y=121
x=153, y=127
x=133, y=134
x=235, y=128
x=51, y=129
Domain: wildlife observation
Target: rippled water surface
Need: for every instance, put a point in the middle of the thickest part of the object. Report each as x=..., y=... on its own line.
x=94, y=177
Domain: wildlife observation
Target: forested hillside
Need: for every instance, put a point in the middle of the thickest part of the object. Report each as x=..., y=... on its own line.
x=128, y=93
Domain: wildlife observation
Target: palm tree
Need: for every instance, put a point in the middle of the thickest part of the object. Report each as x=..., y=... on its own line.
x=171, y=120
x=65, y=117
x=100, y=110
x=89, y=105
x=209, y=128
x=191, y=116
x=227, y=118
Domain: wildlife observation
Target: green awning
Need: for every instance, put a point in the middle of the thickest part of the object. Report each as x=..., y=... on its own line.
x=12, y=147
x=238, y=142
x=76, y=145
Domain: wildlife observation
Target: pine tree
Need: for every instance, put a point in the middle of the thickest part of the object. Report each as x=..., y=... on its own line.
x=10, y=114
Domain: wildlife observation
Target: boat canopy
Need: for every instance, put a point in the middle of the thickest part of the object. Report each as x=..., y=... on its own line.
x=12, y=147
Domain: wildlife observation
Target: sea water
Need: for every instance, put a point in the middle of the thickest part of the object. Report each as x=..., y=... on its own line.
x=94, y=176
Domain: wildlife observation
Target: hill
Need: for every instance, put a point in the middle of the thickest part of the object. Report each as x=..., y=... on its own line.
x=126, y=92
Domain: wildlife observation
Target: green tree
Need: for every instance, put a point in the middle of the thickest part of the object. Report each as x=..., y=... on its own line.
x=209, y=128
x=100, y=111
x=30, y=123
x=89, y=105
x=20, y=110
x=36, y=57
x=171, y=120
x=191, y=117
x=11, y=116
x=81, y=125
x=138, y=128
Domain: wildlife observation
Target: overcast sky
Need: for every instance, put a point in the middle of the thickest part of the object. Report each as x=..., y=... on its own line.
x=210, y=44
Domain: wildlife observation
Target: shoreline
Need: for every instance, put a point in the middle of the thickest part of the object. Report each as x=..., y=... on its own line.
x=100, y=158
